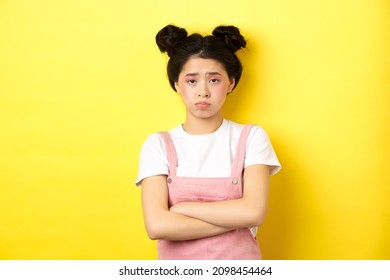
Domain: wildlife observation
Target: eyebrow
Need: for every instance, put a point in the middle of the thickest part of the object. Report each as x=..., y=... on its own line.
x=207, y=73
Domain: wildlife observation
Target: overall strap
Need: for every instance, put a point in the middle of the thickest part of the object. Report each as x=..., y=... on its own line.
x=171, y=152
x=238, y=162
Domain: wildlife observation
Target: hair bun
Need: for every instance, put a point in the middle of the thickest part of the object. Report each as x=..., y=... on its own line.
x=231, y=36
x=168, y=37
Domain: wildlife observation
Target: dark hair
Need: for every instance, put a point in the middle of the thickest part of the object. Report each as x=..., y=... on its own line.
x=221, y=46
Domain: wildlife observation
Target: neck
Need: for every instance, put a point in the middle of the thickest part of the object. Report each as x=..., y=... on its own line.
x=202, y=126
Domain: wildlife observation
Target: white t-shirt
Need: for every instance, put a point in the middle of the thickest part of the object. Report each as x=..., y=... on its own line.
x=206, y=155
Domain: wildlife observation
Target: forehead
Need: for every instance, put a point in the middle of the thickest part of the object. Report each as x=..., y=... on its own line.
x=202, y=65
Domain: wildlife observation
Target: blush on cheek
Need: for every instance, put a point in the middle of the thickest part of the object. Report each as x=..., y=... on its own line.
x=179, y=89
x=185, y=94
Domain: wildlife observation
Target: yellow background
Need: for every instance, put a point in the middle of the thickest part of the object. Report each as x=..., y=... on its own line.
x=82, y=84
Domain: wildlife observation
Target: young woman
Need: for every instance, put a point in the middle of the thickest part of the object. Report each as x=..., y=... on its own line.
x=205, y=182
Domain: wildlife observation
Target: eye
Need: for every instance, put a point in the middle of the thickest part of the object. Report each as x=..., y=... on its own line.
x=191, y=82
x=214, y=81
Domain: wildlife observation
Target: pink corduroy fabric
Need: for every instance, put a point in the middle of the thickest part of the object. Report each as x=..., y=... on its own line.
x=237, y=244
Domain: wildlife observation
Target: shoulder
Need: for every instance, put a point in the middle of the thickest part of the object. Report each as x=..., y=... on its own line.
x=256, y=131
x=156, y=139
x=233, y=128
x=259, y=149
x=153, y=141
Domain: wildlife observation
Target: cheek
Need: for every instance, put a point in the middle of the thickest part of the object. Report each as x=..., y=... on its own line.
x=185, y=94
x=221, y=94
x=221, y=90
x=179, y=85
x=186, y=91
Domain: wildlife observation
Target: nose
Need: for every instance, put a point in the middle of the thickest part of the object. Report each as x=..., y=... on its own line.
x=204, y=92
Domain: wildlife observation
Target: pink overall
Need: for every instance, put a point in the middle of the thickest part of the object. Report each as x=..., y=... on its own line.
x=237, y=244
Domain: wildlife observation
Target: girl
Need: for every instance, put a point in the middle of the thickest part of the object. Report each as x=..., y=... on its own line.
x=205, y=182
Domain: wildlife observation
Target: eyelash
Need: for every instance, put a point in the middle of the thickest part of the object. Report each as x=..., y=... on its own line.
x=213, y=81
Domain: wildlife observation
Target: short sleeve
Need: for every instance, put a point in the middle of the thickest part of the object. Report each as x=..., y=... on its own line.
x=153, y=160
x=259, y=150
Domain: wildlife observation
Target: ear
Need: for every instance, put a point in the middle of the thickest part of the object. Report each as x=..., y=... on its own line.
x=231, y=85
x=177, y=88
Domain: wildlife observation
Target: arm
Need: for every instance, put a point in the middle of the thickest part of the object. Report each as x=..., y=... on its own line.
x=161, y=223
x=248, y=211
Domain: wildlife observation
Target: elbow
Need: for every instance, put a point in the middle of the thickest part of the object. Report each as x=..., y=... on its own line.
x=157, y=226
x=254, y=222
x=255, y=218
x=258, y=221
x=156, y=230
x=152, y=235
x=153, y=231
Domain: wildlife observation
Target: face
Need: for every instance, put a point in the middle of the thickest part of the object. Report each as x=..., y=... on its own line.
x=203, y=85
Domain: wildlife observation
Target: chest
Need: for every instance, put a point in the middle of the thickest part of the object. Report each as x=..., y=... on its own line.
x=205, y=158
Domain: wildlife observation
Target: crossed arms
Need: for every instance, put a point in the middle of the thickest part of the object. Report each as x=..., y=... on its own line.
x=193, y=220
